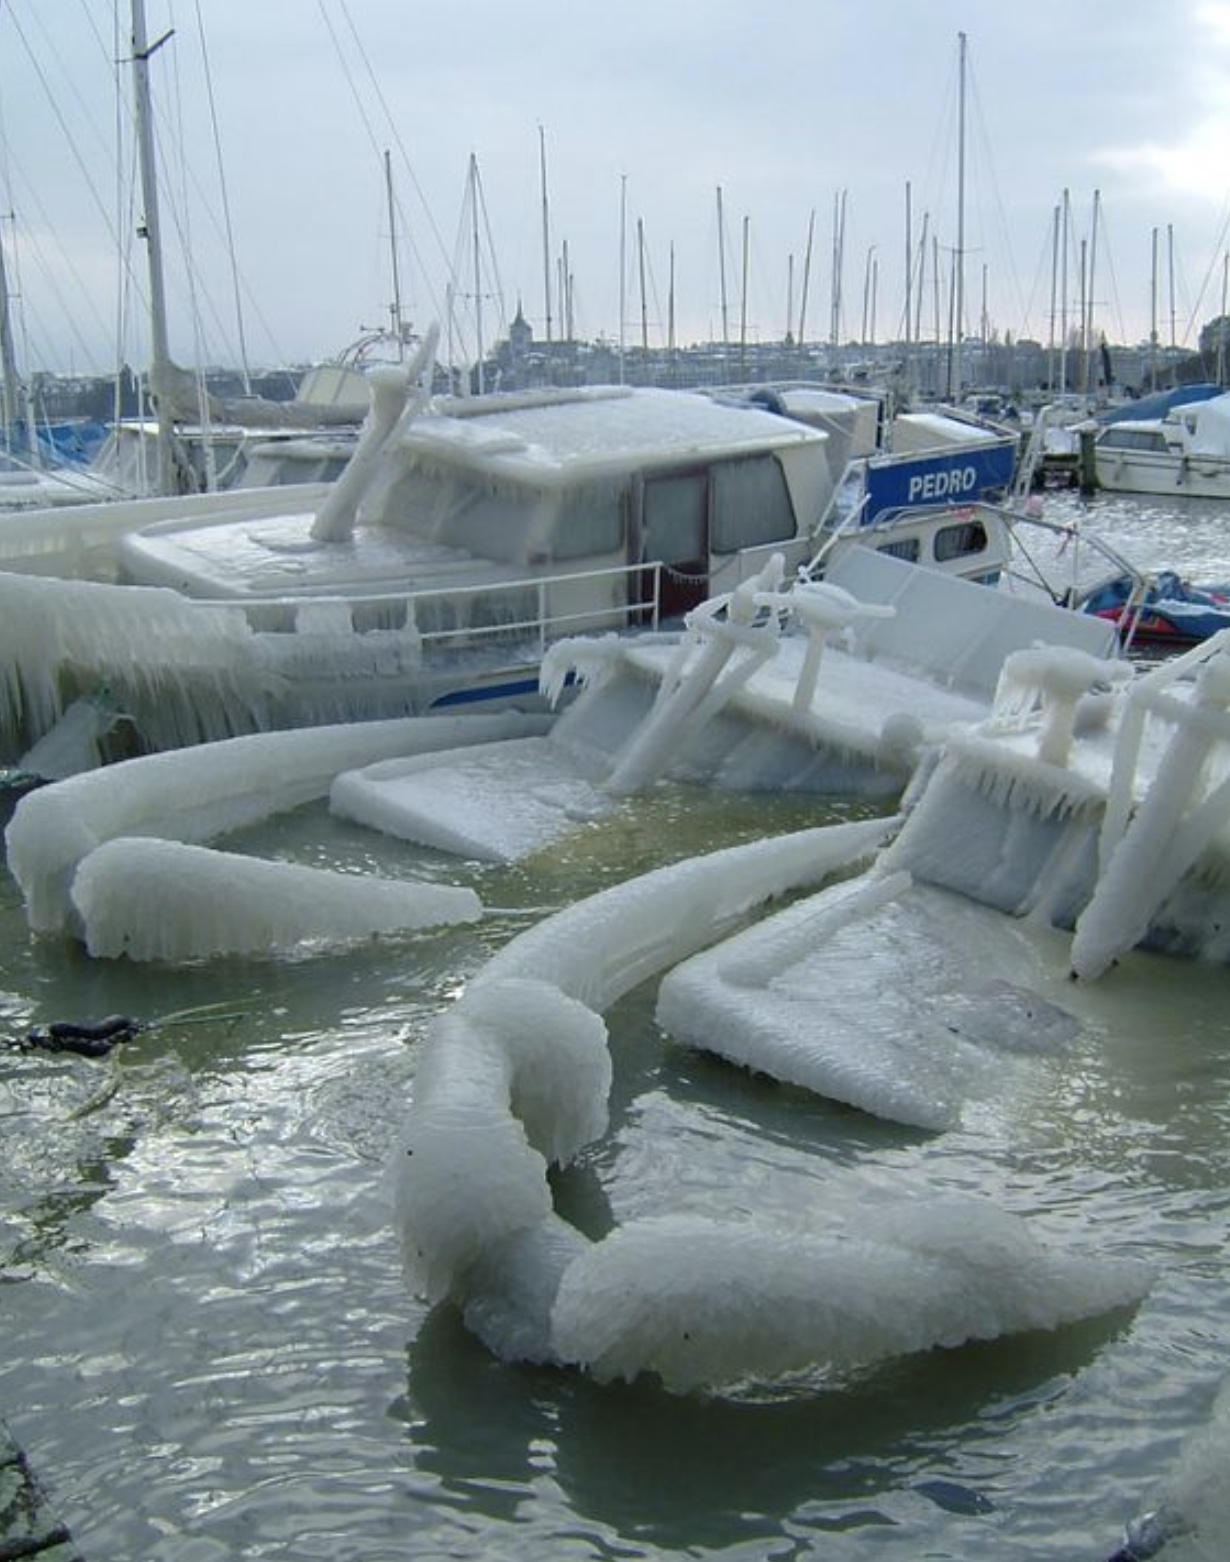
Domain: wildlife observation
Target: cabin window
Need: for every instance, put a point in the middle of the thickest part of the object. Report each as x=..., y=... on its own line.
x=906, y=548
x=751, y=505
x=1131, y=439
x=590, y=524
x=959, y=541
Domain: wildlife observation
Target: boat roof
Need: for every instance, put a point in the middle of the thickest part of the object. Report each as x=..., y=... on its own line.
x=1159, y=404
x=563, y=437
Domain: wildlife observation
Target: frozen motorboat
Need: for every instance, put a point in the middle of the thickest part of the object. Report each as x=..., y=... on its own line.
x=462, y=539
x=1092, y=801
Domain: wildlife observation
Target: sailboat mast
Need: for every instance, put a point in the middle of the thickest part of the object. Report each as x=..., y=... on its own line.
x=623, y=268
x=743, y=301
x=670, y=304
x=142, y=51
x=958, y=310
x=546, y=231
x=1065, y=212
x=399, y=326
x=1093, y=265
x=640, y=260
x=1153, y=315
x=811, y=229
x=474, y=196
x=8, y=359
x=721, y=237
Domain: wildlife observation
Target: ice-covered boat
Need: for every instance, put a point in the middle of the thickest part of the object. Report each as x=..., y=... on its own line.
x=462, y=538
x=833, y=688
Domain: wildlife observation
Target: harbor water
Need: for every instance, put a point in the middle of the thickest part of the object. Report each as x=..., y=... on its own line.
x=210, y=1351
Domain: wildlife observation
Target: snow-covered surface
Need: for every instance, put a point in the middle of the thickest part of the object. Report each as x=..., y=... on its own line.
x=519, y=1066
x=915, y=431
x=580, y=435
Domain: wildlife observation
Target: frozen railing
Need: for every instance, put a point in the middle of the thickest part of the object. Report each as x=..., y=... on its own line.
x=626, y=595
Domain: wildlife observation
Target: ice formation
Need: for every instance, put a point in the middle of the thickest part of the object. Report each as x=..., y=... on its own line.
x=494, y=802
x=164, y=900
x=705, y=1303
x=845, y=703
x=196, y=794
x=900, y=999
x=1185, y=809
x=515, y=1077
x=1089, y=801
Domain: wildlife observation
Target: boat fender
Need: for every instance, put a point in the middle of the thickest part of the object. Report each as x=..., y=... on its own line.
x=93, y=1039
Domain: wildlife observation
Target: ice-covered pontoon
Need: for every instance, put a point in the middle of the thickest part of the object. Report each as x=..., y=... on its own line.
x=463, y=537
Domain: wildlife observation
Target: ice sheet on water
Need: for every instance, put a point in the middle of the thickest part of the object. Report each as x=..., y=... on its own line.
x=164, y=900
x=899, y=999
x=493, y=802
x=707, y=1303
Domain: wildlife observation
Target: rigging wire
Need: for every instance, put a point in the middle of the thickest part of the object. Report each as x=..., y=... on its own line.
x=226, y=205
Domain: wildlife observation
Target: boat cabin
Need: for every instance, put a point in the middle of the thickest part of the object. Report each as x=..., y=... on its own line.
x=573, y=495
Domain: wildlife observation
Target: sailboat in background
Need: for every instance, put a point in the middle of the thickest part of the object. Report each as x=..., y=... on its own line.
x=197, y=441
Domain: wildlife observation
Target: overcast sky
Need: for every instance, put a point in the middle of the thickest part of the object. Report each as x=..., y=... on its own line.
x=274, y=117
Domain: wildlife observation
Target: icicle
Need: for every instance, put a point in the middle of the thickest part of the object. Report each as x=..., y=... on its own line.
x=1046, y=685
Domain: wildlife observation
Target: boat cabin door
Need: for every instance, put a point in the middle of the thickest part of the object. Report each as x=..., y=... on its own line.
x=675, y=531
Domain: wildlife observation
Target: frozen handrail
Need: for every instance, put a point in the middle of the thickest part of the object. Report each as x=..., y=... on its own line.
x=824, y=610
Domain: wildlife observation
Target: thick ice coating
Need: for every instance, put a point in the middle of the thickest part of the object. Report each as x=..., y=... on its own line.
x=897, y=998
x=196, y=794
x=164, y=900
x=709, y=1303
x=516, y=1076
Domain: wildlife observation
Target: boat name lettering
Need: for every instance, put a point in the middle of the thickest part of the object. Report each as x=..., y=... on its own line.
x=943, y=485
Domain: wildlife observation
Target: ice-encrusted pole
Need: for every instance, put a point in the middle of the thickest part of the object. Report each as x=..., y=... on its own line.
x=398, y=396
x=691, y=695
